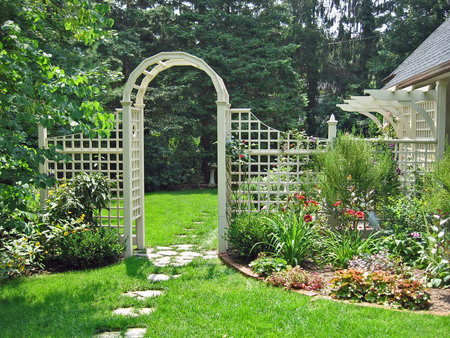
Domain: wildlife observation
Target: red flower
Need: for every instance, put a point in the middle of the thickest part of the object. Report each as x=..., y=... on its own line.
x=338, y=203
x=308, y=218
x=242, y=156
x=301, y=197
x=359, y=214
x=350, y=211
x=313, y=202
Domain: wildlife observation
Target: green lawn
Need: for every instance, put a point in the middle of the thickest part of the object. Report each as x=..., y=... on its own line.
x=208, y=300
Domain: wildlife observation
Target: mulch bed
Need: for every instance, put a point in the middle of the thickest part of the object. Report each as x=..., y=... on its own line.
x=440, y=298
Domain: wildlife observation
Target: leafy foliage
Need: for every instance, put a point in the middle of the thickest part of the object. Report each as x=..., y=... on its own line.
x=264, y=266
x=246, y=236
x=292, y=229
x=339, y=247
x=41, y=83
x=84, y=247
x=437, y=185
x=380, y=287
x=296, y=278
x=353, y=172
x=84, y=194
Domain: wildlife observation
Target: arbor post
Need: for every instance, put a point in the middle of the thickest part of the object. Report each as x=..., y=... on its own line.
x=222, y=108
x=127, y=210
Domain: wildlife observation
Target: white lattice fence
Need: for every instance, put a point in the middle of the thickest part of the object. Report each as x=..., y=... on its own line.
x=104, y=155
x=275, y=164
x=414, y=158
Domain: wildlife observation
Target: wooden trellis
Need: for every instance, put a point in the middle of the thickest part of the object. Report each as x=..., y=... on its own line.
x=273, y=163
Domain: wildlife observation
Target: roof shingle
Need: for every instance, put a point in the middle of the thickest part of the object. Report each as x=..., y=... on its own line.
x=433, y=52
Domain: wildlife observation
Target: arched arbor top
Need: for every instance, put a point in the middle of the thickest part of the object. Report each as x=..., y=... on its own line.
x=152, y=66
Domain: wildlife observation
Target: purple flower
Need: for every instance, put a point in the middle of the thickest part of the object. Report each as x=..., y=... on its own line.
x=415, y=234
x=392, y=145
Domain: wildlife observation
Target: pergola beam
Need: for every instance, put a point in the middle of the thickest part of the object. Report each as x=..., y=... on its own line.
x=402, y=95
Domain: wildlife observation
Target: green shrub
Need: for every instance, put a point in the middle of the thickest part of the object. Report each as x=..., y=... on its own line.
x=339, y=247
x=435, y=255
x=246, y=236
x=355, y=172
x=437, y=185
x=380, y=287
x=405, y=213
x=84, y=194
x=402, y=243
x=264, y=266
x=296, y=278
x=84, y=247
x=293, y=230
x=19, y=251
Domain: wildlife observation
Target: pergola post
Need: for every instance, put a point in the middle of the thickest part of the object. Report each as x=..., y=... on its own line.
x=441, y=117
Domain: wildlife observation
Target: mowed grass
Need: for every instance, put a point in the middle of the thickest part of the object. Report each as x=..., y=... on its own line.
x=207, y=300
x=181, y=217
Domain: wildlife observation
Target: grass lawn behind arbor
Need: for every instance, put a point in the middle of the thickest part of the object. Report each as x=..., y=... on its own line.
x=208, y=300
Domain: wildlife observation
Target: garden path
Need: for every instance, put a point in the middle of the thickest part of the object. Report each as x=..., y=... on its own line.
x=174, y=255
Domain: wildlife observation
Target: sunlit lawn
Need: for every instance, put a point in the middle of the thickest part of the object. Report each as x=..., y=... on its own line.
x=208, y=300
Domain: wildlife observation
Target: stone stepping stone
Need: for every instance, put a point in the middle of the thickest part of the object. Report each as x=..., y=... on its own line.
x=182, y=236
x=158, y=277
x=141, y=295
x=190, y=254
x=129, y=311
x=135, y=333
x=153, y=255
x=131, y=333
x=163, y=248
x=188, y=229
x=199, y=222
x=167, y=253
x=112, y=334
x=183, y=247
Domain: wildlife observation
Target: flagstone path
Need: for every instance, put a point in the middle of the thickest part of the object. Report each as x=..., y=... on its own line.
x=174, y=255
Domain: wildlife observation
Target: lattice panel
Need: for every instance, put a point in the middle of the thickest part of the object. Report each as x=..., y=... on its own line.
x=137, y=127
x=272, y=165
x=414, y=158
x=88, y=155
x=419, y=126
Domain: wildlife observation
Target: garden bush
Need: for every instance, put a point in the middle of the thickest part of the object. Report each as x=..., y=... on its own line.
x=339, y=247
x=296, y=278
x=355, y=172
x=20, y=251
x=293, y=230
x=246, y=236
x=264, y=266
x=380, y=287
x=74, y=240
x=84, y=247
x=437, y=185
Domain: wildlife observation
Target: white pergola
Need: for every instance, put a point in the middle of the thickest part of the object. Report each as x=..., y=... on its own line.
x=414, y=113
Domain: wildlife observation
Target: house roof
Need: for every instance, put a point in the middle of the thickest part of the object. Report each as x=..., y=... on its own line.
x=429, y=60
